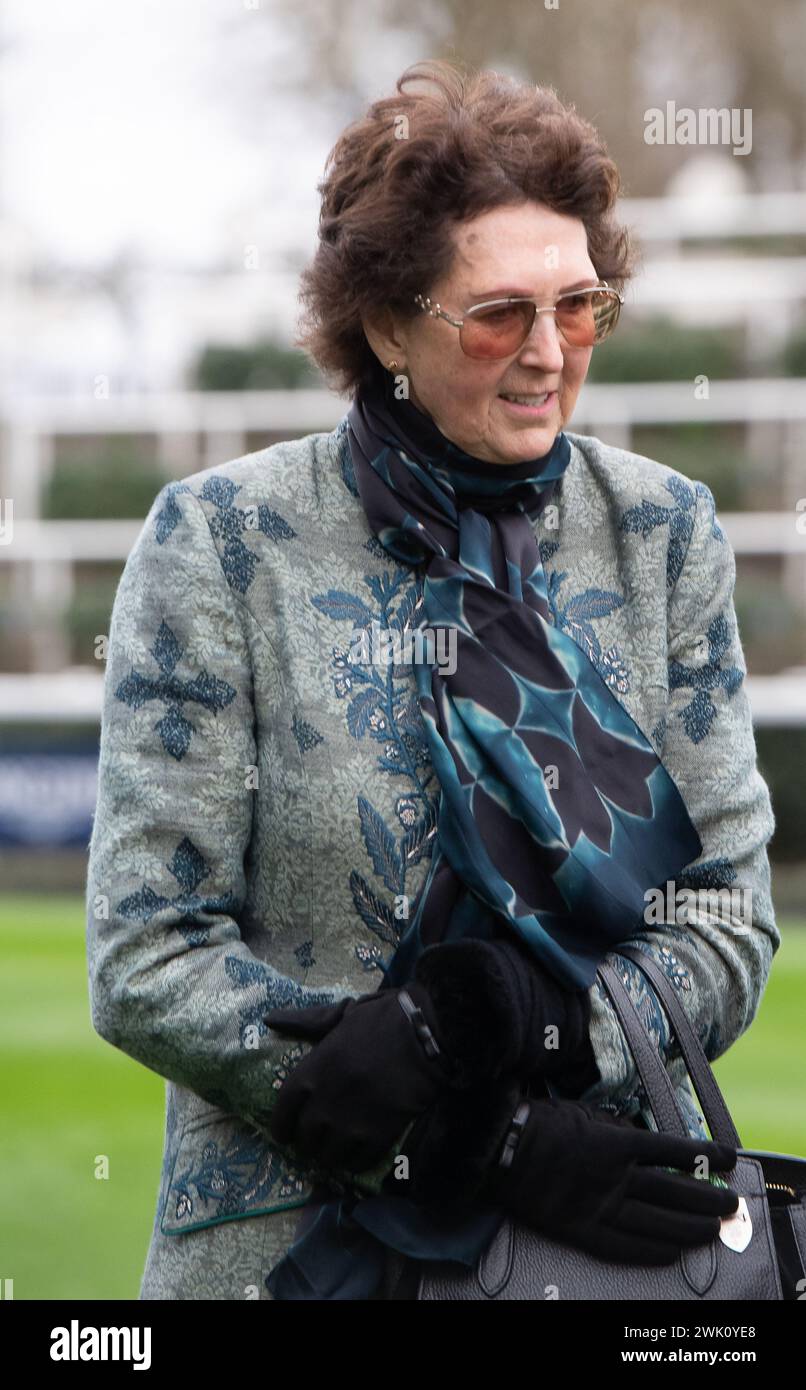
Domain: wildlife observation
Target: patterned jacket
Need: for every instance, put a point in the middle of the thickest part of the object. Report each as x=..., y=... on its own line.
x=265, y=801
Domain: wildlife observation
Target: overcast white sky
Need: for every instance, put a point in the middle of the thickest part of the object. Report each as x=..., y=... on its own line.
x=174, y=131
x=177, y=132
x=119, y=126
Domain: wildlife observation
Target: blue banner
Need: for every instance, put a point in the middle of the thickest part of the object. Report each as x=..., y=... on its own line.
x=47, y=798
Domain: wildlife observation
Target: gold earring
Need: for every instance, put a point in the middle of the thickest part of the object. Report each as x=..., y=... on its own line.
x=393, y=365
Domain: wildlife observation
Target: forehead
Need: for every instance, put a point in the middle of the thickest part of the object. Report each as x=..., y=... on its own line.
x=528, y=243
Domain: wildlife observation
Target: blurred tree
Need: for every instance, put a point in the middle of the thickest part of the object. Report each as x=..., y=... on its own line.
x=793, y=356
x=781, y=757
x=88, y=614
x=713, y=454
x=79, y=488
x=772, y=627
x=661, y=350
x=261, y=366
x=614, y=60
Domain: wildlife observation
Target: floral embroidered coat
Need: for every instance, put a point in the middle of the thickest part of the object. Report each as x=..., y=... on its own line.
x=263, y=801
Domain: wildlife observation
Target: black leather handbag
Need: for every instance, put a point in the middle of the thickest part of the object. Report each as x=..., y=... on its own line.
x=760, y=1252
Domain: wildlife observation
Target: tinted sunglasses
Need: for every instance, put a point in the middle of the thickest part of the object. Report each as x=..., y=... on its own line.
x=499, y=327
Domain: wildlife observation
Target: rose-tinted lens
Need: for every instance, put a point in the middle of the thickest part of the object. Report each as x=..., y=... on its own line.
x=587, y=317
x=497, y=331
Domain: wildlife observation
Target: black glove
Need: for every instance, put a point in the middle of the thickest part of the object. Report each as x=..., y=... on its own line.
x=596, y=1182
x=376, y=1063
x=481, y=1015
x=577, y=1174
x=527, y=1001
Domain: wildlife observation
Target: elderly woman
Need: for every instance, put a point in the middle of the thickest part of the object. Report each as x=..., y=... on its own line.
x=352, y=907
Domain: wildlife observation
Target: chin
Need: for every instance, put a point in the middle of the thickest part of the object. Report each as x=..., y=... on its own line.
x=531, y=443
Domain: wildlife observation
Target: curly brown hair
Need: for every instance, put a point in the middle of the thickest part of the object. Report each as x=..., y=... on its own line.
x=477, y=140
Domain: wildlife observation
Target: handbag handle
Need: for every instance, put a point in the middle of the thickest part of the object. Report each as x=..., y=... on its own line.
x=706, y=1086
x=655, y=1079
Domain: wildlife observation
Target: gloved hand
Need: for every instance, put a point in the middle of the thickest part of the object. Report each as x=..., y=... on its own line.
x=371, y=1073
x=596, y=1182
x=549, y=1025
x=576, y=1173
x=376, y=1063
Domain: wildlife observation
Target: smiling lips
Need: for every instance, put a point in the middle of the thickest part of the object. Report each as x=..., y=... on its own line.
x=530, y=403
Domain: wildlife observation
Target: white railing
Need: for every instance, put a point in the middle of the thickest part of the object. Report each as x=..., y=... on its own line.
x=43, y=554
x=728, y=215
x=223, y=420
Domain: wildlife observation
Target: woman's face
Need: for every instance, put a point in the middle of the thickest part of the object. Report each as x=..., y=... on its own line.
x=522, y=249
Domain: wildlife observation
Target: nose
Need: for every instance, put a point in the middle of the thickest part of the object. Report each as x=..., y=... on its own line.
x=544, y=346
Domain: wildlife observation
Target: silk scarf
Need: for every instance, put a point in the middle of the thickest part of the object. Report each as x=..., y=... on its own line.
x=556, y=816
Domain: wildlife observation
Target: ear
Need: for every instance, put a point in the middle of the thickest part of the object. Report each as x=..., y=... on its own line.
x=386, y=336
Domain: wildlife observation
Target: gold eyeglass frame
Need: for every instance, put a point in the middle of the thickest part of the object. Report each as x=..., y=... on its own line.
x=435, y=310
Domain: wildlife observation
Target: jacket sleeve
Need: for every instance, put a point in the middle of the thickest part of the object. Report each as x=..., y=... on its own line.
x=717, y=939
x=172, y=983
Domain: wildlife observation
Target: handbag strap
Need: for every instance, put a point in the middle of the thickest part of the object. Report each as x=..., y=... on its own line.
x=699, y=1068
x=655, y=1079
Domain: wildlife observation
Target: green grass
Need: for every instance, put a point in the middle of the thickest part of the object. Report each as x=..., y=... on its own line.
x=763, y=1076
x=69, y=1097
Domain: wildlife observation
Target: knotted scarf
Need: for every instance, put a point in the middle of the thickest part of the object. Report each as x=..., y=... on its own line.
x=555, y=817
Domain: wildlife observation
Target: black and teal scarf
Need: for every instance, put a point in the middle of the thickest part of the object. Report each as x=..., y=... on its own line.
x=563, y=860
